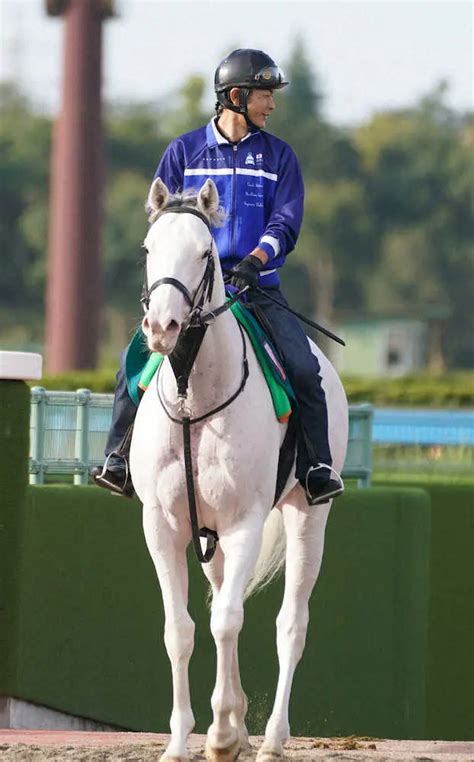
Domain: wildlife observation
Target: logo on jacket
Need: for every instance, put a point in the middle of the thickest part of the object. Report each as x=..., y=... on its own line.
x=249, y=159
x=259, y=158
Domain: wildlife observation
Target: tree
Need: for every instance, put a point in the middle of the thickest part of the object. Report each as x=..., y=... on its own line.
x=24, y=169
x=304, y=96
x=419, y=187
x=124, y=230
x=133, y=138
x=388, y=220
x=189, y=113
x=335, y=246
x=298, y=105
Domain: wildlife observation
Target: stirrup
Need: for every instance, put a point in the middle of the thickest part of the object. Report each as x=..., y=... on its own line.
x=102, y=481
x=122, y=457
x=338, y=485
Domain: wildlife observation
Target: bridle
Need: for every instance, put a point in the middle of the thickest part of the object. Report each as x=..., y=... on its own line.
x=205, y=288
x=182, y=360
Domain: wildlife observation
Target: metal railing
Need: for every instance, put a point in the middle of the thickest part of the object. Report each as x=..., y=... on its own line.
x=358, y=463
x=68, y=432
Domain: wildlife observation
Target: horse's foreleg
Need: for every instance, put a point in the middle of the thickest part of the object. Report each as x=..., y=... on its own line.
x=168, y=552
x=214, y=571
x=237, y=716
x=229, y=703
x=305, y=526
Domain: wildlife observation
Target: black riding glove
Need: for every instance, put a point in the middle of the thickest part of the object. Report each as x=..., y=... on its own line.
x=246, y=272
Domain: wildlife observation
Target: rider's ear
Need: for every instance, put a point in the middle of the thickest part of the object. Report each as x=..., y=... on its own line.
x=157, y=197
x=208, y=198
x=234, y=96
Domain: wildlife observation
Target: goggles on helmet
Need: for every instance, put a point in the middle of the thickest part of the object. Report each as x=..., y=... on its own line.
x=270, y=77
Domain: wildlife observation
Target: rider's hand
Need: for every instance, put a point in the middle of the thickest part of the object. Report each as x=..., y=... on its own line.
x=246, y=272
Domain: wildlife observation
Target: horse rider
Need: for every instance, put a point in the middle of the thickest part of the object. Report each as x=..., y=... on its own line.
x=261, y=189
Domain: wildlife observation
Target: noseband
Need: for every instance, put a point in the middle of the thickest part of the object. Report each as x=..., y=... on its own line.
x=204, y=290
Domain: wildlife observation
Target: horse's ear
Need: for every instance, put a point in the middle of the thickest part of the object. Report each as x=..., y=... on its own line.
x=157, y=197
x=208, y=198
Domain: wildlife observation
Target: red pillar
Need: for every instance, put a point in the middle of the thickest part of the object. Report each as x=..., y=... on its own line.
x=74, y=290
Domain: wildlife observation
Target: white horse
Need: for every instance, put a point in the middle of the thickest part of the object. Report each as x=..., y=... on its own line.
x=235, y=457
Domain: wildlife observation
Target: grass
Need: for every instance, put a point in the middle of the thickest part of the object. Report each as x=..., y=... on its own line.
x=436, y=462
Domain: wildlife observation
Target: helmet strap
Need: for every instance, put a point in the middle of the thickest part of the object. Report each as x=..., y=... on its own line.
x=224, y=101
x=244, y=93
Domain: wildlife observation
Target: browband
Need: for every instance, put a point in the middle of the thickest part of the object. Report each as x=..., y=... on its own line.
x=184, y=210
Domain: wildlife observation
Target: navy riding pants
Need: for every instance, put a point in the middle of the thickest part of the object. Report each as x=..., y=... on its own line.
x=303, y=371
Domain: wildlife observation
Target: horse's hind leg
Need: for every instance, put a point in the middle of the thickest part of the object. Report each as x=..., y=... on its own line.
x=214, y=571
x=168, y=551
x=304, y=527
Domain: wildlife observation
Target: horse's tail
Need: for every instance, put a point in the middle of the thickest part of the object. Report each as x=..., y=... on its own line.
x=272, y=554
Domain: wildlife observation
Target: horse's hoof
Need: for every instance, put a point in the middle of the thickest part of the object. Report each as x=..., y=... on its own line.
x=172, y=758
x=270, y=755
x=245, y=744
x=223, y=755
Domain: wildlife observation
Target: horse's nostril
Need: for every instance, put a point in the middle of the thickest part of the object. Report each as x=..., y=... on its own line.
x=172, y=326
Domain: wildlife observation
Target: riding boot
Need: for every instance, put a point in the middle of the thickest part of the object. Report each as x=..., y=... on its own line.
x=313, y=460
x=117, y=480
x=115, y=473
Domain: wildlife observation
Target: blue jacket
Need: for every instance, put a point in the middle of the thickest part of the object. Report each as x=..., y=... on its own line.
x=260, y=187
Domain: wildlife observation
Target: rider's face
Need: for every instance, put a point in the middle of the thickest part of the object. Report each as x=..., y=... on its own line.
x=260, y=105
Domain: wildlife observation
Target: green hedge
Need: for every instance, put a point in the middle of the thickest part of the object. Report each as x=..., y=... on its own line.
x=450, y=667
x=89, y=638
x=14, y=442
x=453, y=389
x=96, y=380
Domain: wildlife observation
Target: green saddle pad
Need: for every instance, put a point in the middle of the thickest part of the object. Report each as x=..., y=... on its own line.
x=141, y=365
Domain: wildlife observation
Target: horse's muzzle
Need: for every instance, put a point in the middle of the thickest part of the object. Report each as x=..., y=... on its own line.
x=160, y=338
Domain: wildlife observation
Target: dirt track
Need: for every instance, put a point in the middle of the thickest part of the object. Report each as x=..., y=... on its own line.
x=134, y=747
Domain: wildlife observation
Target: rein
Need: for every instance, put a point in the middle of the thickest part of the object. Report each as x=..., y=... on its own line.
x=182, y=360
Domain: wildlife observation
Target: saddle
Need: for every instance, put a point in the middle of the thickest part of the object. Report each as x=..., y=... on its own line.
x=141, y=366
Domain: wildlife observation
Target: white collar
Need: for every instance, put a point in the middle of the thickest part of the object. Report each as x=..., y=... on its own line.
x=220, y=139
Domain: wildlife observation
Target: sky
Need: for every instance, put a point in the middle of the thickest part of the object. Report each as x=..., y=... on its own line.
x=368, y=56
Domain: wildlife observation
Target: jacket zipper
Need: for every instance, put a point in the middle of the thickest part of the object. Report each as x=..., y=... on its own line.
x=234, y=199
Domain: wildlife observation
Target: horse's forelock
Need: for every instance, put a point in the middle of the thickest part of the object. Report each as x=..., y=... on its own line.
x=189, y=198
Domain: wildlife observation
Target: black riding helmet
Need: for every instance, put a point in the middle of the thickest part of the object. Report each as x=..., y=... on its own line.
x=246, y=69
